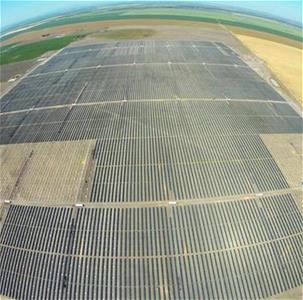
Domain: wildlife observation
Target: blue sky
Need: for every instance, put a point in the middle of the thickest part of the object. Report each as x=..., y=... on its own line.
x=13, y=12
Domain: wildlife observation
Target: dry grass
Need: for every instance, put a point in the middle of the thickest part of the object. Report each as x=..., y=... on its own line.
x=264, y=35
x=284, y=61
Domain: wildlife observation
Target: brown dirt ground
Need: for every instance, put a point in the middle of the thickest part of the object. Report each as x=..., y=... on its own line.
x=180, y=31
x=126, y=33
x=286, y=150
x=4, y=86
x=293, y=294
x=10, y=70
x=50, y=172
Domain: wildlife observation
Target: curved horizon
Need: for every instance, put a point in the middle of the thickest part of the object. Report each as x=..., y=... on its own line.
x=13, y=12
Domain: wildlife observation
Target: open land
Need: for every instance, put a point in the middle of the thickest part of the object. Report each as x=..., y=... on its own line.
x=126, y=34
x=210, y=16
x=284, y=61
x=15, y=53
x=66, y=162
x=100, y=27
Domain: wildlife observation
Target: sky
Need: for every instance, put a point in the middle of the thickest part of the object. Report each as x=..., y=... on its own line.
x=13, y=12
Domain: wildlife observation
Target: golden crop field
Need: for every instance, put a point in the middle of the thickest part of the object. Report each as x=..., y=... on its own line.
x=284, y=61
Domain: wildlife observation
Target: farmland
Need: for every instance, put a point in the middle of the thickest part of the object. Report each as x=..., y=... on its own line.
x=14, y=53
x=207, y=15
x=284, y=61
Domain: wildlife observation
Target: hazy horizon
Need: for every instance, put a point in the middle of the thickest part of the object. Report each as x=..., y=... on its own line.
x=14, y=13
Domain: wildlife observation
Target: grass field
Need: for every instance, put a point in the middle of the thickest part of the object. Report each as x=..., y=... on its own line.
x=126, y=34
x=13, y=53
x=206, y=15
x=284, y=61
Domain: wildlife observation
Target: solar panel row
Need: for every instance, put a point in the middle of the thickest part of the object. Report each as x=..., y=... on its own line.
x=156, y=133
x=149, y=120
x=239, y=249
x=113, y=74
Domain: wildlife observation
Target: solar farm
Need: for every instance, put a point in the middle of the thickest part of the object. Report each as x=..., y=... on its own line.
x=149, y=170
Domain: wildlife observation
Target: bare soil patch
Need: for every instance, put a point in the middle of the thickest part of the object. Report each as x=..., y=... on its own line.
x=292, y=294
x=9, y=71
x=51, y=172
x=286, y=150
x=174, y=30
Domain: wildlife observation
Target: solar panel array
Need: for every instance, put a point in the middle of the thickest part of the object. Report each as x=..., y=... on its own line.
x=228, y=250
x=137, y=72
x=170, y=121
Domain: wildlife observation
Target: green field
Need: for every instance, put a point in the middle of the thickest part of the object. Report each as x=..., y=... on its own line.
x=13, y=53
x=127, y=34
x=198, y=15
